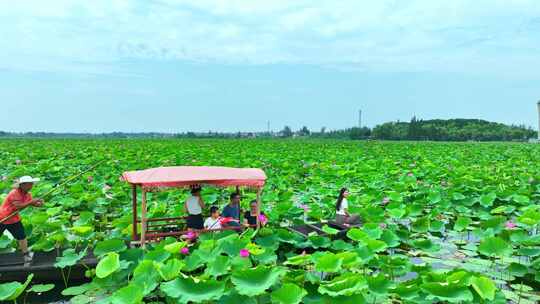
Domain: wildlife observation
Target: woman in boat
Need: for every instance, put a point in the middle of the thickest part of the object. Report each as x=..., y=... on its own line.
x=194, y=206
x=343, y=216
x=250, y=217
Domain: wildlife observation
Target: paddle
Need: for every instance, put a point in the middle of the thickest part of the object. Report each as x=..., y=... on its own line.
x=56, y=187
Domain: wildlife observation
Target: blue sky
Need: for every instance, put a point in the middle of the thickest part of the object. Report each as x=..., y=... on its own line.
x=173, y=66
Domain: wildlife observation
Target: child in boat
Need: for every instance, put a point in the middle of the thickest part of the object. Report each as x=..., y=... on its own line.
x=342, y=210
x=194, y=206
x=214, y=221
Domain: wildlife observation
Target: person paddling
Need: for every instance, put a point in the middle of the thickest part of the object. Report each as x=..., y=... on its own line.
x=19, y=198
x=342, y=210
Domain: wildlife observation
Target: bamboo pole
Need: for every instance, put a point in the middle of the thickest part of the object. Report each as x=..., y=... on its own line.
x=258, y=207
x=135, y=236
x=143, y=219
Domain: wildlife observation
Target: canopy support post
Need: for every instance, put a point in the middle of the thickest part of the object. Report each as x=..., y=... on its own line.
x=134, y=236
x=258, y=207
x=143, y=219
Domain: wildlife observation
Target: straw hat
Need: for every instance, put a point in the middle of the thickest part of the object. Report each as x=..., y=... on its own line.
x=25, y=179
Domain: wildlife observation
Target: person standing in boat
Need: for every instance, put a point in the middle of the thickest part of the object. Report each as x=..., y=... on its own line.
x=194, y=206
x=19, y=198
x=342, y=210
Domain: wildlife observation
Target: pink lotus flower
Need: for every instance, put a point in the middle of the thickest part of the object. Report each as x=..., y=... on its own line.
x=303, y=253
x=510, y=225
x=263, y=219
x=184, y=251
x=410, y=174
x=244, y=253
x=190, y=235
x=90, y=179
x=305, y=207
x=382, y=226
x=18, y=162
x=386, y=200
x=106, y=188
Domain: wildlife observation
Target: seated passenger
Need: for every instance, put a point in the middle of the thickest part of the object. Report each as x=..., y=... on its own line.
x=213, y=222
x=343, y=216
x=194, y=206
x=250, y=217
x=232, y=211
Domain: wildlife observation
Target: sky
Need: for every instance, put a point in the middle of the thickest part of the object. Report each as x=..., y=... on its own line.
x=234, y=65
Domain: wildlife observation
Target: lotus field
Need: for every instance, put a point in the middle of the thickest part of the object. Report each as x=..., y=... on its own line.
x=442, y=222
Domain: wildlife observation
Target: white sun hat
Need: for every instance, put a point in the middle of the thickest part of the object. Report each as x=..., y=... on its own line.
x=26, y=179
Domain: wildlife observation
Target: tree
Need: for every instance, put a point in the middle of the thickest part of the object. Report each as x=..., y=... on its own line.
x=304, y=131
x=286, y=132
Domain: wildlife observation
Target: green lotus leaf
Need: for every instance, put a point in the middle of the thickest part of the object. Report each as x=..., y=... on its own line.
x=219, y=266
x=255, y=281
x=358, y=235
x=11, y=291
x=379, y=284
x=329, y=262
x=8, y=289
x=447, y=292
x=426, y=245
x=329, y=230
x=462, y=223
x=518, y=270
x=390, y=238
x=170, y=270
x=494, y=246
x=372, y=230
x=297, y=260
x=158, y=254
x=350, y=259
x=175, y=247
x=82, y=299
x=345, y=285
x=82, y=230
x=146, y=275
x=324, y=299
x=484, y=287
x=421, y=225
x=288, y=294
x=69, y=258
x=77, y=290
x=40, y=288
x=530, y=217
x=487, y=200
x=108, y=265
x=521, y=199
x=112, y=245
x=235, y=298
x=185, y=290
x=131, y=294
x=318, y=241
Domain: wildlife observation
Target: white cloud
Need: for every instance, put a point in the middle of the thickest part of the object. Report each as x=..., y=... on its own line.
x=379, y=35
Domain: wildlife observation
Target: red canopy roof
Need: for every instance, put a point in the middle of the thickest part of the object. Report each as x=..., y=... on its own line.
x=183, y=176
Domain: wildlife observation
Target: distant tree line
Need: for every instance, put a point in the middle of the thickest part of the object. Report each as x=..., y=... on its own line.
x=416, y=129
x=452, y=130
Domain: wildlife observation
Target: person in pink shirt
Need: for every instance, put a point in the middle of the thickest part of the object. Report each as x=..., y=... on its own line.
x=19, y=198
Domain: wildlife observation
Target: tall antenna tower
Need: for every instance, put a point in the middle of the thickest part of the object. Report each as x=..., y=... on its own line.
x=360, y=119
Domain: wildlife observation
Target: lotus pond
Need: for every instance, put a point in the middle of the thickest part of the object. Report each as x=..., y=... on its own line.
x=443, y=222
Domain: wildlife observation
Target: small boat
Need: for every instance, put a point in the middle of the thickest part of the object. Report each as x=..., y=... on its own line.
x=13, y=268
